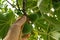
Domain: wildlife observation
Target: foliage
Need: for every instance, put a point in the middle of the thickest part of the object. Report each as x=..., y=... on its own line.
x=44, y=14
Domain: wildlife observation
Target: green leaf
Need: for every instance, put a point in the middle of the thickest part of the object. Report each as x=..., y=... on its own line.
x=41, y=23
x=47, y=37
x=31, y=3
x=44, y=5
x=56, y=4
x=57, y=13
x=34, y=35
x=5, y=22
x=53, y=21
x=52, y=38
x=55, y=35
x=44, y=37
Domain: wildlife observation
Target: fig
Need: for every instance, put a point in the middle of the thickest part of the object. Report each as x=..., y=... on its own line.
x=27, y=28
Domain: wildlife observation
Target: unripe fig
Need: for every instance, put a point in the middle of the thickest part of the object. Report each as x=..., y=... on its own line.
x=27, y=28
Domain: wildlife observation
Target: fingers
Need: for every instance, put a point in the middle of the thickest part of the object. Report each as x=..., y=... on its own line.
x=14, y=31
x=26, y=37
x=21, y=21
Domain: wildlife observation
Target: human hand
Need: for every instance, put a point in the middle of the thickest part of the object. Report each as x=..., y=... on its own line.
x=15, y=30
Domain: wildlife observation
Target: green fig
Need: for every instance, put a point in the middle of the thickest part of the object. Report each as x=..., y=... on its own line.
x=27, y=28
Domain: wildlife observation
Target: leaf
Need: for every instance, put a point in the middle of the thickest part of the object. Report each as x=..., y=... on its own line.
x=44, y=5
x=55, y=35
x=10, y=15
x=52, y=38
x=56, y=4
x=2, y=25
x=31, y=3
x=53, y=21
x=47, y=37
x=41, y=23
x=44, y=37
x=34, y=35
x=5, y=22
x=20, y=2
x=57, y=13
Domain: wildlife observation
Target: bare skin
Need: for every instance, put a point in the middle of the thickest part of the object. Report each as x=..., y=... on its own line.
x=15, y=31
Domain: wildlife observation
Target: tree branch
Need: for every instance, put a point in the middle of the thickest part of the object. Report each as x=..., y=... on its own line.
x=24, y=7
x=17, y=5
x=12, y=5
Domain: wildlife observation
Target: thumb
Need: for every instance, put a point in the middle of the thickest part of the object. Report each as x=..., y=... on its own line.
x=21, y=21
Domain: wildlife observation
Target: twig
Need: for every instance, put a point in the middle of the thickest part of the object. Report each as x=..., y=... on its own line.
x=24, y=7
x=17, y=5
x=24, y=10
x=12, y=5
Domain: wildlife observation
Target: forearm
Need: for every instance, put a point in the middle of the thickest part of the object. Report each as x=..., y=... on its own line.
x=13, y=33
x=15, y=30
